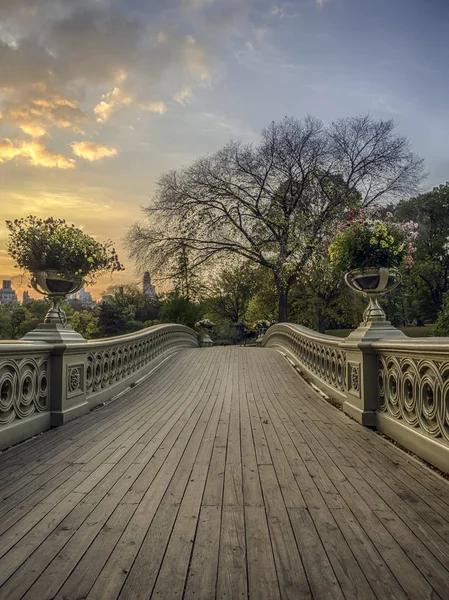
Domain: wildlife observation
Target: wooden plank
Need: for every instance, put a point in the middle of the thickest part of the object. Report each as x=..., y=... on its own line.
x=101, y=489
x=377, y=571
x=232, y=574
x=318, y=568
x=263, y=455
x=82, y=578
x=202, y=576
x=169, y=578
x=417, y=585
x=42, y=446
x=226, y=476
x=119, y=564
x=262, y=577
x=252, y=492
x=290, y=570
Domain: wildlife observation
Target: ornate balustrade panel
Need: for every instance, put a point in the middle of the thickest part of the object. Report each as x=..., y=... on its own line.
x=113, y=360
x=321, y=357
x=24, y=389
x=45, y=384
x=413, y=388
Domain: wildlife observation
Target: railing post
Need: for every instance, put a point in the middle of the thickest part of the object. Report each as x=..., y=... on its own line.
x=68, y=383
x=362, y=395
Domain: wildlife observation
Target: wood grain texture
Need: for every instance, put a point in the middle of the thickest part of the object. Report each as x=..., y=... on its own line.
x=223, y=476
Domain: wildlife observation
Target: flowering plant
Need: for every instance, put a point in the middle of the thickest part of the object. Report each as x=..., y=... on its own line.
x=205, y=324
x=368, y=239
x=262, y=326
x=53, y=245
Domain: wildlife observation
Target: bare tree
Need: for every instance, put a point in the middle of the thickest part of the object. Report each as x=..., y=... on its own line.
x=273, y=203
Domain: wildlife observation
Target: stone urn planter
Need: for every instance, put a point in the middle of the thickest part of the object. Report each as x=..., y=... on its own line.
x=206, y=341
x=56, y=287
x=372, y=282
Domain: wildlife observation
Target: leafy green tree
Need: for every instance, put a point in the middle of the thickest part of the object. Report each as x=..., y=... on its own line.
x=178, y=309
x=231, y=292
x=272, y=203
x=5, y=323
x=442, y=327
x=125, y=309
x=85, y=322
x=429, y=278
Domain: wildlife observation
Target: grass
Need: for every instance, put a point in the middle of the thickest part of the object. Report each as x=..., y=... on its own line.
x=425, y=331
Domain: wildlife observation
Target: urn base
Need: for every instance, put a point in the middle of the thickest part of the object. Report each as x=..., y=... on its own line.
x=54, y=333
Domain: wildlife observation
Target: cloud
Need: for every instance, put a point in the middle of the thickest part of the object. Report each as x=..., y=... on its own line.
x=286, y=10
x=41, y=111
x=92, y=151
x=111, y=103
x=34, y=152
x=158, y=108
x=114, y=100
x=33, y=129
x=183, y=96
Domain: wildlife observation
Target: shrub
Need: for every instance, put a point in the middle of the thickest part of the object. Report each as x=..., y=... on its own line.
x=442, y=327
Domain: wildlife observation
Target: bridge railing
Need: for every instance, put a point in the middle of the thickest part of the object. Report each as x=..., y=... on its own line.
x=399, y=386
x=42, y=384
x=413, y=395
x=321, y=357
x=25, y=372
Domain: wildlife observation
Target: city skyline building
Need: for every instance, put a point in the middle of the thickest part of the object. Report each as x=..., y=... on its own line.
x=7, y=294
x=26, y=298
x=149, y=290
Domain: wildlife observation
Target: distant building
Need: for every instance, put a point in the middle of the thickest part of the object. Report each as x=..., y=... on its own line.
x=82, y=297
x=148, y=287
x=7, y=294
x=86, y=297
x=26, y=299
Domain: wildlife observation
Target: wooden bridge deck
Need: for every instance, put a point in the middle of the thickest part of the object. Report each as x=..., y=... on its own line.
x=223, y=476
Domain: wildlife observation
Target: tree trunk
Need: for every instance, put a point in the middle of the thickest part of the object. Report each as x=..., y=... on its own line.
x=321, y=321
x=283, y=303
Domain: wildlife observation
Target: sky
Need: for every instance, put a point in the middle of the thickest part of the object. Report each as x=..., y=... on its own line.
x=98, y=98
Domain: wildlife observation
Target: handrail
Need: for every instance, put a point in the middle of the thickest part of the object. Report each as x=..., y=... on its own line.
x=44, y=384
x=110, y=360
x=321, y=357
x=400, y=386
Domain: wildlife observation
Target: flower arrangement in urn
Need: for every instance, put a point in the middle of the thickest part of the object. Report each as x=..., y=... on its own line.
x=60, y=258
x=370, y=247
x=205, y=326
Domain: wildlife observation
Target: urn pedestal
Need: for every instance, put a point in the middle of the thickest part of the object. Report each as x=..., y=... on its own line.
x=372, y=283
x=56, y=287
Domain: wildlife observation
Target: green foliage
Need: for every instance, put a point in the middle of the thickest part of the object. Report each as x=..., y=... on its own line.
x=51, y=244
x=85, y=322
x=232, y=290
x=125, y=309
x=430, y=275
x=16, y=321
x=442, y=327
x=367, y=240
x=178, y=309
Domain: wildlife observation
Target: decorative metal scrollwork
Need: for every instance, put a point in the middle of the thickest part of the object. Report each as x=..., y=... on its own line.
x=415, y=391
x=326, y=362
x=355, y=378
x=23, y=388
x=74, y=379
x=107, y=365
